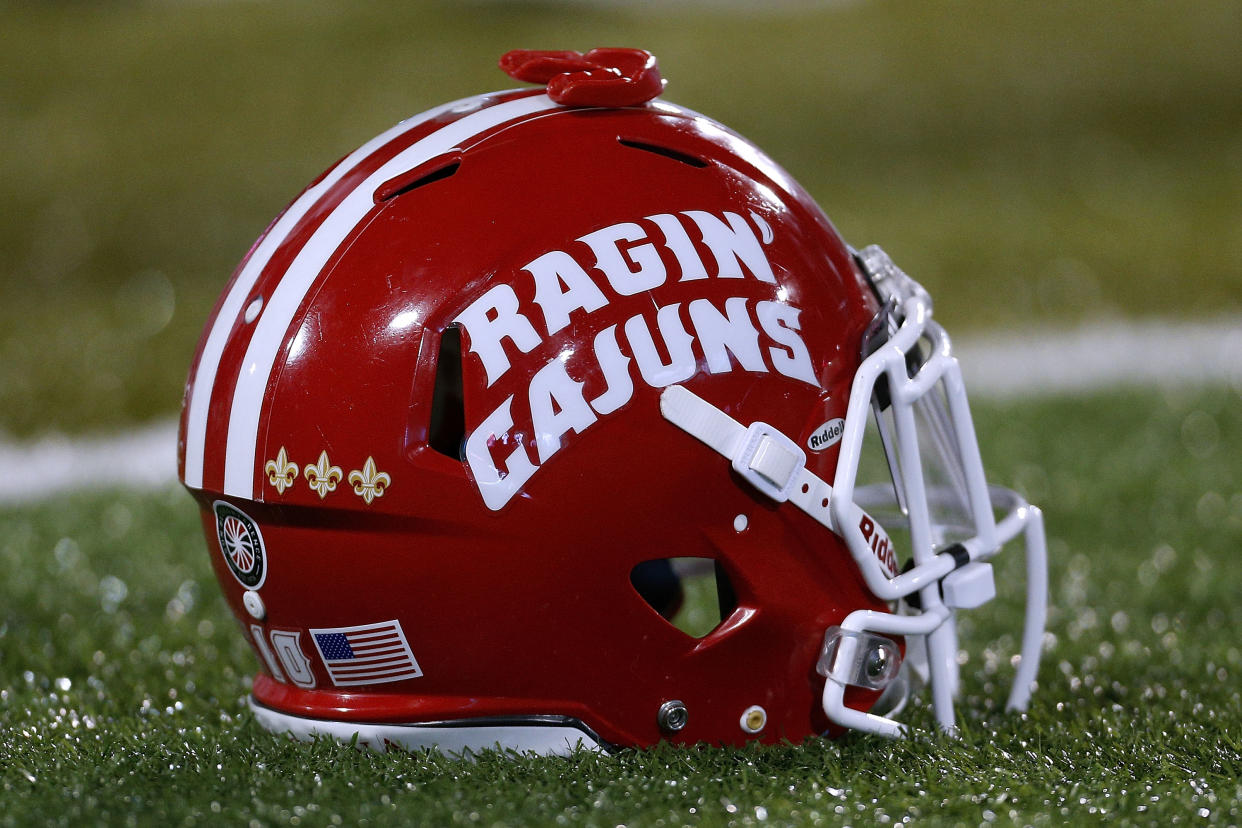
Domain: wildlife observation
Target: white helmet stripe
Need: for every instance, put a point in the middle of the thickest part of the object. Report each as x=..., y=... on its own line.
x=282, y=305
x=204, y=379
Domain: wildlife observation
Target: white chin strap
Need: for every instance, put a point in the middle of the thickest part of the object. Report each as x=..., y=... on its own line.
x=763, y=456
x=857, y=653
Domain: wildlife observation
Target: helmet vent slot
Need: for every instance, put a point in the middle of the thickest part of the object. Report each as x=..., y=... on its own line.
x=692, y=594
x=676, y=155
x=447, y=430
x=437, y=169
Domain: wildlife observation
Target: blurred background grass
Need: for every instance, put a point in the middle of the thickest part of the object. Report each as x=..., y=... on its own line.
x=1043, y=164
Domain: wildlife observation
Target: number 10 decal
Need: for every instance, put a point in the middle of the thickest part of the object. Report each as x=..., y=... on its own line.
x=288, y=653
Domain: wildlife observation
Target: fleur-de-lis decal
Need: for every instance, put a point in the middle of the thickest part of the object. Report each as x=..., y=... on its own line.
x=323, y=476
x=369, y=483
x=280, y=472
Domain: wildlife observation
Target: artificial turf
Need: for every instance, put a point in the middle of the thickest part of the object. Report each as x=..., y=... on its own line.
x=122, y=675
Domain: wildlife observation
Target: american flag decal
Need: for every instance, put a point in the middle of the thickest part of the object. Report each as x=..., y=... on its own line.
x=366, y=654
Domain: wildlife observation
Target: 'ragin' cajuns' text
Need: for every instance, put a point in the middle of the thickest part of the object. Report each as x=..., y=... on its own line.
x=760, y=335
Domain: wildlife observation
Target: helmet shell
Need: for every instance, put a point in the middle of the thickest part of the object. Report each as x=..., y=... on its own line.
x=586, y=258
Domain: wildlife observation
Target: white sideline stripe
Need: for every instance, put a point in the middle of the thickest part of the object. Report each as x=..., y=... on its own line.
x=1104, y=354
x=1100, y=356
x=205, y=375
x=282, y=305
x=144, y=459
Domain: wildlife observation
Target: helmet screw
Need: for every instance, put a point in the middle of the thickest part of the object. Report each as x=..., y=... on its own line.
x=754, y=719
x=254, y=605
x=877, y=663
x=672, y=716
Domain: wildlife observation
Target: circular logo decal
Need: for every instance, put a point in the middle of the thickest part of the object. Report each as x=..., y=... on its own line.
x=828, y=434
x=241, y=544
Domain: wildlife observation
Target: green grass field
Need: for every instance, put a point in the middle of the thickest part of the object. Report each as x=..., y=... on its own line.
x=1047, y=164
x=125, y=674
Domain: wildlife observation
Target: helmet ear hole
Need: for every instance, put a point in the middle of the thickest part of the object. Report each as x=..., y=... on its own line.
x=692, y=594
x=659, y=586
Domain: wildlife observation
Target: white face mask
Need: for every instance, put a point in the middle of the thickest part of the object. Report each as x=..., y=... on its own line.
x=936, y=500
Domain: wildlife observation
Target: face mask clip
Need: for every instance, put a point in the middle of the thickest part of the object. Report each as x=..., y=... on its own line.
x=859, y=659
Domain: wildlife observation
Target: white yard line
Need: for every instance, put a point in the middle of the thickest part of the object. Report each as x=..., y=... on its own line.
x=1101, y=355
x=142, y=458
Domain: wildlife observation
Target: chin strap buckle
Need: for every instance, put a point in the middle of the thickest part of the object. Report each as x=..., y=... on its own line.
x=769, y=461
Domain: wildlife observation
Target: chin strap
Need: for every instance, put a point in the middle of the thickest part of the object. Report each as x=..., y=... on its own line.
x=766, y=459
x=762, y=455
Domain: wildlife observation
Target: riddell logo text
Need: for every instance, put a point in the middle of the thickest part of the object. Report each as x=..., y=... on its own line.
x=881, y=545
x=759, y=335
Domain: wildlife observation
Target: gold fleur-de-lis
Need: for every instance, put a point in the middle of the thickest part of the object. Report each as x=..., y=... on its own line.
x=323, y=476
x=368, y=482
x=280, y=472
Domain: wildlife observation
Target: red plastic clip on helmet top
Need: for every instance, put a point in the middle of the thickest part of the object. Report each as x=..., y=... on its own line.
x=601, y=77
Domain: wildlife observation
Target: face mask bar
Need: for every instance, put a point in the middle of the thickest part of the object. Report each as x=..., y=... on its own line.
x=927, y=417
x=947, y=570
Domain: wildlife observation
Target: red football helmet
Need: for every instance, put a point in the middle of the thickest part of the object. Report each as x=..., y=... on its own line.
x=496, y=390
